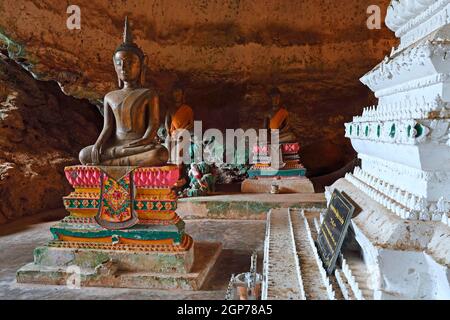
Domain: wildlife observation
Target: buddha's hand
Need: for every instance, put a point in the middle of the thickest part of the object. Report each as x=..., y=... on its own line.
x=95, y=154
x=140, y=143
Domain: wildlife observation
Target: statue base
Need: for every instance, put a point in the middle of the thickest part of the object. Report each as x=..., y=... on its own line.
x=285, y=185
x=120, y=266
x=290, y=178
x=123, y=231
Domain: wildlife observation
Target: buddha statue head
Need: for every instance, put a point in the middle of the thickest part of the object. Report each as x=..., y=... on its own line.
x=178, y=93
x=130, y=61
x=275, y=97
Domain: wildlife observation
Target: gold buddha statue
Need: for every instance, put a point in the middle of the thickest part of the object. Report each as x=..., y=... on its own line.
x=279, y=118
x=131, y=116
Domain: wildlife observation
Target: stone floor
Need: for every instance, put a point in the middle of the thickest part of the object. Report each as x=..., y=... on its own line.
x=18, y=239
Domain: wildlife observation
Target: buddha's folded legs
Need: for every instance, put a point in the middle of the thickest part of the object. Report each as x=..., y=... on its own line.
x=157, y=156
x=85, y=155
x=139, y=156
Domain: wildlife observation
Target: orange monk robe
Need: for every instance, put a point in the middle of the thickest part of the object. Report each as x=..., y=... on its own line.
x=277, y=120
x=182, y=119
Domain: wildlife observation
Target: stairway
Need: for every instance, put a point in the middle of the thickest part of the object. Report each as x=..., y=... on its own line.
x=292, y=267
x=281, y=276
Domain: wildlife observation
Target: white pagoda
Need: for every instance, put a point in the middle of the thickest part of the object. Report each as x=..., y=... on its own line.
x=403, y=184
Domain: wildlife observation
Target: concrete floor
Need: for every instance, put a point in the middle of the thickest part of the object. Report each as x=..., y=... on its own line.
x=18, y=240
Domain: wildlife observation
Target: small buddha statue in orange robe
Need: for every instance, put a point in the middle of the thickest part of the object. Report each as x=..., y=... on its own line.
x=178, y=117
x=279, y=118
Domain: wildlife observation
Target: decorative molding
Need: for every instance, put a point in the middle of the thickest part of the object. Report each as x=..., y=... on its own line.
x=401, y=13
x=410, y=132
x=431, y=24
x=397, y=171
x=401, y=203
x=422, y=83
x=406, y=109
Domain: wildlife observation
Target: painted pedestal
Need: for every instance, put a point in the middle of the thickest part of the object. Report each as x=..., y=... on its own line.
x=288, y=179
x=153, y=252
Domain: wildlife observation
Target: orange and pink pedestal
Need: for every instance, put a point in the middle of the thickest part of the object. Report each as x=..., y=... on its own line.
x=122, y=231
x=289, y=178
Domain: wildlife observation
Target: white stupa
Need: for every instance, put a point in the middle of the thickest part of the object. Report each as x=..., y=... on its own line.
x=403, y=185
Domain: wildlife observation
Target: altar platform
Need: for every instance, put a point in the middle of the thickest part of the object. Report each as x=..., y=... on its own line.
x=239, y=206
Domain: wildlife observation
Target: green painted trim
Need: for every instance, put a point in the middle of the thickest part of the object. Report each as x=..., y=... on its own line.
x=281, y=173
x=138, y=232
x=419, y=130
x=392, y=132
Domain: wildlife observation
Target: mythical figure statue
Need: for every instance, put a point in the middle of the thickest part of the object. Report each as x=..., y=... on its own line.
x=131, y=116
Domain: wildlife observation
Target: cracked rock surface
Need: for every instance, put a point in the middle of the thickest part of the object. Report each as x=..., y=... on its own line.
x=41, y=131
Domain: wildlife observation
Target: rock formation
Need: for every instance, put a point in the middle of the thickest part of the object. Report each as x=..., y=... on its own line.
x=39, y=126
x=227, y=52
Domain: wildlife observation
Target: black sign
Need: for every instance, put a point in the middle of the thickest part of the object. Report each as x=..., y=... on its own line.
x=334, y=229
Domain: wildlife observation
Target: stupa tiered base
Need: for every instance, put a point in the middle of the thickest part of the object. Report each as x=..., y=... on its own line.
x=154, y=252
x=289, y=179
x=404, y=258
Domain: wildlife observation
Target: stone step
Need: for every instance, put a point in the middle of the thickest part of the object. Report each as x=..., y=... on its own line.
x=281, y=279
x=344, y=286
x=292, y=268
x=358, y=270
x=356, y=274
x=315, y=287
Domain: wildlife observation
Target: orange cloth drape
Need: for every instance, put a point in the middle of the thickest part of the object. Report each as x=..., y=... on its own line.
x=277, y=120
x=182, y=119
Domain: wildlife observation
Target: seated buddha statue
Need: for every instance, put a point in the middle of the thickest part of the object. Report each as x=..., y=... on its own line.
x=180, y=116
x=131, y=116
x=278, y=119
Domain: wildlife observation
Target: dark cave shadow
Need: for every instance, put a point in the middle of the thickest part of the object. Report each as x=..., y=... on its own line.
x=230, y=262
x=26, y=223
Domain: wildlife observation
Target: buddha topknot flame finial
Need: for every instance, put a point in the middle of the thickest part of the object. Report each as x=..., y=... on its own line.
x=128, y=42
x=127, y=34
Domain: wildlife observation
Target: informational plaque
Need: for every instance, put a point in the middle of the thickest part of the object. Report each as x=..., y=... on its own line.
x=334, y=229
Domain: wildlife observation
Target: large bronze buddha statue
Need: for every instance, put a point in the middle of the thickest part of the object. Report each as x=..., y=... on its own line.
x=131, y=116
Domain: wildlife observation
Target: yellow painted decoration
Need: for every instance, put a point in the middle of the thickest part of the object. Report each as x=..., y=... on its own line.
x=168, y=193
x=159, y=215
x=87, y=190
x=89, y=240
x=83, y=213
x=147, y=242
